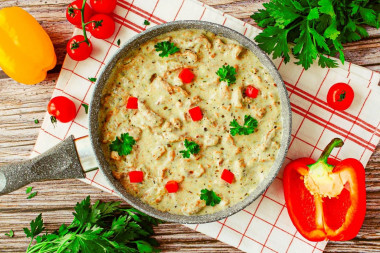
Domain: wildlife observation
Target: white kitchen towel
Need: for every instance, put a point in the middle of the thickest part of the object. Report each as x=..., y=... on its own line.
x=264, y=226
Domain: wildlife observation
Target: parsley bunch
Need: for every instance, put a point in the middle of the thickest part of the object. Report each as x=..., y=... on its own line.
x=166, y=48
x=227, y=74
x=250, y=124
x=123, y=145
x=210, y=197
x=315, y=27
x=191, y=148
x=104, y=227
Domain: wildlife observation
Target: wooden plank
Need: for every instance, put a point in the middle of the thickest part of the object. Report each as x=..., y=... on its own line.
x=20, y=105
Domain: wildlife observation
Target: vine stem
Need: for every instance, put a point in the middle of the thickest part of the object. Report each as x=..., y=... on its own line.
x=84, y=24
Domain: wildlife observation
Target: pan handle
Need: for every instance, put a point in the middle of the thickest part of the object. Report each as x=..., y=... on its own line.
x=59, y=162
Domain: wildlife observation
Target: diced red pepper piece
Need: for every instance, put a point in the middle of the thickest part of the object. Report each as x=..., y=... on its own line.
x=251, y=91
x=228, y=176
x=186, y=75
x=196, y=113
x=136, y=176
x=171, y=186
x=132, y=103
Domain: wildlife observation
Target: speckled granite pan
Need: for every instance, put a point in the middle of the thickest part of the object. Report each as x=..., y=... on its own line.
x=62, y=161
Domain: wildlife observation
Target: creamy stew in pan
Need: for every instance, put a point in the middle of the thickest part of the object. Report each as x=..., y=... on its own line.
x=190, y=122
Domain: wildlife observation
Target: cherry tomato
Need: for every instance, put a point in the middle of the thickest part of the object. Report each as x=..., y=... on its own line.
x=77, y=49
x=186, y=75
x=228, y=176
x=132, y=103
x=62, y=108
x=340, y=96
x=171, y=186
x=196, y=113
x=74, y=16
x=102, y=26
x=103, y=6
x=251, y=91
x=136, y=176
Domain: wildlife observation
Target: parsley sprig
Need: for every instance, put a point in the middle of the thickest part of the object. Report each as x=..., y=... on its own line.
x=166, y=48
x=316, y=28
x=10, y=233
x=102, y=227
x=210, y=197
x=123, y=144
x=227, y=73
x=191, y=148
x=250, y=124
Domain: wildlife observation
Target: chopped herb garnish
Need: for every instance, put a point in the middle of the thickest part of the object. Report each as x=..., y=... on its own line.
x=36, y=121
x=210, y=197
x=123, y=145
x=53, y=120
x=29, y=189
x=227, y=74
x=250, y=124
x=10, y=234
x=85, y=108
x=92, y=79
x=101, y=227
x=118, y=42
x=166, y=48
x=146, y=22
x=32, y=195
x=191, y=148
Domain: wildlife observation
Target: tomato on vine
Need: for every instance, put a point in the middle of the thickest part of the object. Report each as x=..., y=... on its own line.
x=103, y=6
x=78, y=49
x=74, y=13
x=340, y=96
x=101, y=26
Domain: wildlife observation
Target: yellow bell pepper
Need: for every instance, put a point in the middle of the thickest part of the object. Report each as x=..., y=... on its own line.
x=26, y=51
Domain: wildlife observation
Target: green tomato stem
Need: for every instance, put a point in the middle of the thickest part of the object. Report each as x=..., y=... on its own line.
x=84, y=24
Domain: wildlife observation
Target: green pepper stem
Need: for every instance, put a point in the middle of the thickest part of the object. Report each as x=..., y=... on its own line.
x=334, y=143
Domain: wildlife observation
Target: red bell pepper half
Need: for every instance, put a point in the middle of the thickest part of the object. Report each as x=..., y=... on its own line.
x=326, y=199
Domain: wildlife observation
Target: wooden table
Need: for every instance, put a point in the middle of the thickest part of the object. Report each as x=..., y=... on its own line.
x=21, y=104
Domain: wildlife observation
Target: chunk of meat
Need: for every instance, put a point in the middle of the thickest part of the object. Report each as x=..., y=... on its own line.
x=158, y=152
x=115, y=156
x=224, y=91
x=193, y=207
x=203, y=40
x=135, y=132
x=171, y=137
x=238, y=169
x=237, y=97
x=186, y=57
x=211, y=140
x=145, y=117
x=176, y=123
x=160, y=83
x=235, y=50
x=267, y=139
x=119, y=175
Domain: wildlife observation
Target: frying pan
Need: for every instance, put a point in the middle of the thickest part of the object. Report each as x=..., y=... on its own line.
x=71, y=159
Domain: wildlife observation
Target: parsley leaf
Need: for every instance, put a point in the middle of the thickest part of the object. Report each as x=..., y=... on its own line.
x=123, y=145
x=118, y=42
x=227, y=74
x=36, y=121
x=92, y=79
x=101, y=227
x=191, y=148
x=250, y=124
x=85, y=108
x=166, y=48
x=313, y=29
x=10, y=233
x=53, y=121
x=32, y=195
x=146, y=22
x=29, y=189
x=210, y=197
